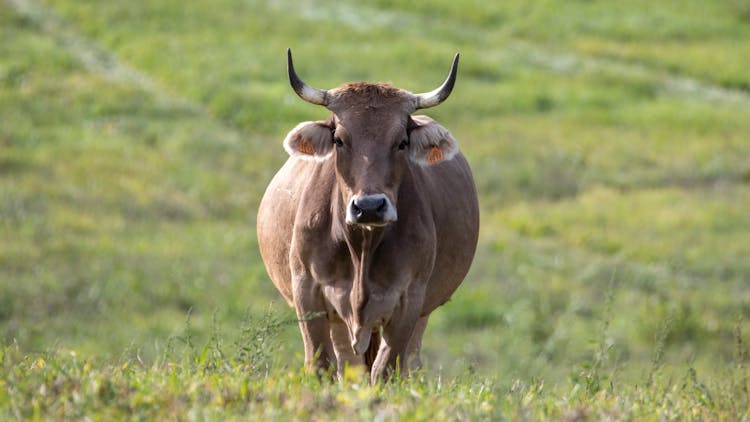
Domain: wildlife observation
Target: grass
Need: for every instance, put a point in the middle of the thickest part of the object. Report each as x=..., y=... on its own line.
x=609, y=146
x=214, y=382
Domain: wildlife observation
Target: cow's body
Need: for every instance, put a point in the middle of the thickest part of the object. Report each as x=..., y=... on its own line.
x=353, y=282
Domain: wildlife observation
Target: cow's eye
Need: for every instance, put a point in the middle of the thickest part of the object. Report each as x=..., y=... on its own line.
x=339, y=143
x=404, y=144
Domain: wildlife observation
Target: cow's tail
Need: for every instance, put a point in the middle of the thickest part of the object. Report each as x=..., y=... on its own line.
x=372, y=349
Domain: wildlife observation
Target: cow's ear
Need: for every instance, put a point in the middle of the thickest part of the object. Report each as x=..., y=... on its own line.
x=310, y=140
x=430, y=143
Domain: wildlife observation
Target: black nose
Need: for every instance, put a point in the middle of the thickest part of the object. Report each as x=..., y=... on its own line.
x=368, y=209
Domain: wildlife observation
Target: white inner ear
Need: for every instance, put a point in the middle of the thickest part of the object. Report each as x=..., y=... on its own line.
x=430, y=133
x=316, y=135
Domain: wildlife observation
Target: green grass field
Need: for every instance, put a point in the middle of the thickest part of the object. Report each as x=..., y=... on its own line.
x=610, y=143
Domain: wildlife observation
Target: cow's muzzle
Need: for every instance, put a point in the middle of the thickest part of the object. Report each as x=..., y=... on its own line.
x=370, y=210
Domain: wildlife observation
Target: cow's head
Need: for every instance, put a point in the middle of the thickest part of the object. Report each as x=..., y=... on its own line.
x=371, y=135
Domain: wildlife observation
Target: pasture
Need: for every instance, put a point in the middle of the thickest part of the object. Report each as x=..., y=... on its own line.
x=610, y=143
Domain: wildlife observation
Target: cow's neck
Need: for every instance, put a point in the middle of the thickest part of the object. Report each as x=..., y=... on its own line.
x=362, y=243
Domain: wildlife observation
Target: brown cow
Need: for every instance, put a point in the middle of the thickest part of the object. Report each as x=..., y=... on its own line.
x=370, y=225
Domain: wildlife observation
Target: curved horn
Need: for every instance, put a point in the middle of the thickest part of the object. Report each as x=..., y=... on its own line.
x=305, y=91
x=437, y=96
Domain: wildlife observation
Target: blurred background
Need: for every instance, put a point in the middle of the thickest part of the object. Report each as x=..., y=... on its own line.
x=610, y=143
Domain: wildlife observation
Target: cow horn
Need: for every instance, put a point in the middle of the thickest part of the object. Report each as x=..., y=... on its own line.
x=305, y=91
x=437, y=96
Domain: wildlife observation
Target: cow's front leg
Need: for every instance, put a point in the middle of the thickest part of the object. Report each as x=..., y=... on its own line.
x=414, y=349
x=313, y=324
x=342, y=346
x=394, y=347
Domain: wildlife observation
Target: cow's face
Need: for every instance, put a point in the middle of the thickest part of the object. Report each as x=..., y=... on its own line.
x=371, y=146
x=370, y=150
x=371, y=136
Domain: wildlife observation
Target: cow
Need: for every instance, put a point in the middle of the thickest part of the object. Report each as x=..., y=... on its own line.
x=370, y=225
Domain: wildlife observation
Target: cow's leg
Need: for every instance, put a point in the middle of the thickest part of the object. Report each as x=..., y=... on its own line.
x=313, y=324
x=342, y=346
x=414, y=349
x=392, y=355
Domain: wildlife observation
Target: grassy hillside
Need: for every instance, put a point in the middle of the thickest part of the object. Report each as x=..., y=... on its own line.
x=609, y=141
